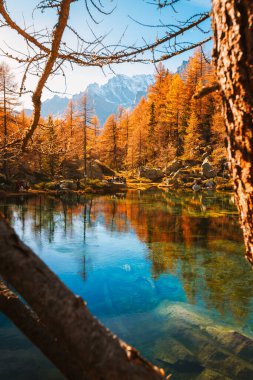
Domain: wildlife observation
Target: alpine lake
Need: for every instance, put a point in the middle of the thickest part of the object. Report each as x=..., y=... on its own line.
x=165, y=271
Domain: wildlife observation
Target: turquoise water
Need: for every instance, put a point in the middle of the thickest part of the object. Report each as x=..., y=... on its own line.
x=165, y=271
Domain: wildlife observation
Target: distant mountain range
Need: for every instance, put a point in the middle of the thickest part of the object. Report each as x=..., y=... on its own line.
x=121, y=90
x=181, y=68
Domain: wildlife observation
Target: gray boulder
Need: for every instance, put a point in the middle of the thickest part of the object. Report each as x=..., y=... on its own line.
x=97, y=170
x=151, y=173
x=94, y=171
x=210, y=184
x=196, y=186
x=104, y=168
x=174, y=166
x=68, y=185
x=207, y=170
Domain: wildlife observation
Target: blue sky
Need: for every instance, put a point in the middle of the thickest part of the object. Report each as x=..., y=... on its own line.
x=78, y=78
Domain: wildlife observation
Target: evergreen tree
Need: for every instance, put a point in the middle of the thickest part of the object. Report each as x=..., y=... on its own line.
x=52, y=157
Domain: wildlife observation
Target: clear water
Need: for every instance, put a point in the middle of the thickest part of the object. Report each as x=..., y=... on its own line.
x=164, y=271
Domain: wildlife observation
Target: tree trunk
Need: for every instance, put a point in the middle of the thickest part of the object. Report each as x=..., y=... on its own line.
x=28, y=322
x=5, y=163
x=233, y=59
x=85, y=144
x=99, y=353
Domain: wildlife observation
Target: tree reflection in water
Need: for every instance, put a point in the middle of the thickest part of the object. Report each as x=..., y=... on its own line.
x=195, y=237
x=164, y=271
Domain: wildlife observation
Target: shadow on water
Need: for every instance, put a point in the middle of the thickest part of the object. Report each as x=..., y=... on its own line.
x=165, y=271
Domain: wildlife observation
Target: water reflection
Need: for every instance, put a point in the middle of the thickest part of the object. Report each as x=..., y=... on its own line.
x=195, y=237
x=135, y=259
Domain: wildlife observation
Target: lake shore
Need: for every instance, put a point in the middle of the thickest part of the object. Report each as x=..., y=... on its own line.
x=111, y=189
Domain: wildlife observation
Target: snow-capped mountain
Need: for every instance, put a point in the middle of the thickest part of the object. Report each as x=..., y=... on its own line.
x=120, y=90
x=181, y=68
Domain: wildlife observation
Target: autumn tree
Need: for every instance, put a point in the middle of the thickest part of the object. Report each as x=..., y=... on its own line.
x=68, y=132
x=85, y=114
x=157, y=94
x=171, y=118
x=109, y=142
x=124, y=132
x=70, y=117
x=151, y=140
x=53, y=150
x=94, y=135
x=175, y=106
x=137, y=149
x=8, y=102
x=218, y=133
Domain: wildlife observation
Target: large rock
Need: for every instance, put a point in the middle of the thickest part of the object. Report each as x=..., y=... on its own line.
x=194, y=344
x=97, y=170
x=105, y=169
x=151, y=173
x=207, y=170
x=94, y=171
x=68, y=185
x=174, y=166
x=210, y=184
x=192, y=162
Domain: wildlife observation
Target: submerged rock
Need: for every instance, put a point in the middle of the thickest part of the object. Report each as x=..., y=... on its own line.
x=209, y=374
x=238, y=343
x=197, y=345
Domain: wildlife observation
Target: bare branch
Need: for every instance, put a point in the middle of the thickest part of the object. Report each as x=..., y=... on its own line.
x=206, y=91
x=182, y=50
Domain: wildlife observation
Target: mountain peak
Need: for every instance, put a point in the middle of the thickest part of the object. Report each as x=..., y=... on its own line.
x=119, y=90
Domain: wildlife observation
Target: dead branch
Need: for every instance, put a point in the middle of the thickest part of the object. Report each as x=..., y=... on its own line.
x=206, y=91
x=178, y=51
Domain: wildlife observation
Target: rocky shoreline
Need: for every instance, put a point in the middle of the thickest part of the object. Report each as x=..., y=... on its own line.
x=191, y=174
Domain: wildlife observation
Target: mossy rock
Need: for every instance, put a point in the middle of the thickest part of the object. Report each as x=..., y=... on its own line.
x=227, y=186
x=39, y=186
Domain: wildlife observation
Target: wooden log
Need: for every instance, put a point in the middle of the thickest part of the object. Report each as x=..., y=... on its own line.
x=98, y=352
x=28, y=322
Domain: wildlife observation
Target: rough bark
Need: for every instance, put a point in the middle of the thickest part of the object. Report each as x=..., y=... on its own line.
x=28, y=322
x=233, y=59
x=98, y=352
